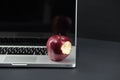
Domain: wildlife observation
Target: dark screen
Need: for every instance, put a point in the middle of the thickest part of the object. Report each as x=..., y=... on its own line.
x=39, y=16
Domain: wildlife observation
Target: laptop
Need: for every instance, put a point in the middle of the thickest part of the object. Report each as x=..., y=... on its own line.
x=25, y=27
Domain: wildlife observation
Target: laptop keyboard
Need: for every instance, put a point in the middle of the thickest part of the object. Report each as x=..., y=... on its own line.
x=23, y=51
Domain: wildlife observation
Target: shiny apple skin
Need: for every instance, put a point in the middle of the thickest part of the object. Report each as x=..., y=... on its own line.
x=54, y=44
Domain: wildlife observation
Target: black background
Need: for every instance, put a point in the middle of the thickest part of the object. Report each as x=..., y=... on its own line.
x=99, y=19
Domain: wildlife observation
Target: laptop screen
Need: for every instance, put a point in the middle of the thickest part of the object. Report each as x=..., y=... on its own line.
x=37, y=18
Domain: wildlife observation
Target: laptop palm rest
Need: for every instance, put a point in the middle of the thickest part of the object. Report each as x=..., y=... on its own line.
x=20, y=59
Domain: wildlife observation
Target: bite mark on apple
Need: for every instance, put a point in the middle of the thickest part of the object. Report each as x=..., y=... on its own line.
x=66, y=47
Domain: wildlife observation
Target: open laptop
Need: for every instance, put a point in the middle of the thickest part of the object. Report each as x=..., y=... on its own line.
x=25, y=26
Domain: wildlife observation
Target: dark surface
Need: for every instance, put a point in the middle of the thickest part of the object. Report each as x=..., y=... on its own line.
x=96, y=60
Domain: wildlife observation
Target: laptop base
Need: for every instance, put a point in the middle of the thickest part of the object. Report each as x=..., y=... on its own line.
x=36, y=61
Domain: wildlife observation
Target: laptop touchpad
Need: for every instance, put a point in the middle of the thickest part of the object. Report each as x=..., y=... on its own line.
x=20, y=59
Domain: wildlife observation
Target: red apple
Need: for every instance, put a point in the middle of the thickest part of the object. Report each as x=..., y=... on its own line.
x=58, y=47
